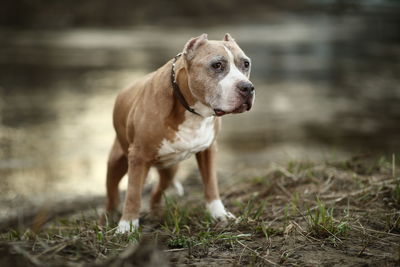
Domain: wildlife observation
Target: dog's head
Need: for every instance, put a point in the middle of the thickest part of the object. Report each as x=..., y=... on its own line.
x=218, y=74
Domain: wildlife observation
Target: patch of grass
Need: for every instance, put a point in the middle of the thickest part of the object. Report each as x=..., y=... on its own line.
x=176, y=216
x=261, y=180
x=253, y=209
x=322, y=223
x=76, y=238
x=295, y=203
x=190, y=227
x=363, y=164
x=266, y=207
x=179, y=241
x=297, y=167
x=267, y=231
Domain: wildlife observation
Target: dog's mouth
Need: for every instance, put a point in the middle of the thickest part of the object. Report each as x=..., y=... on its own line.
x=219, y=112
x=242, y=108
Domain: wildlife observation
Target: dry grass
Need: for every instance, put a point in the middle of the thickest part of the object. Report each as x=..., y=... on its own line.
x=344, y=213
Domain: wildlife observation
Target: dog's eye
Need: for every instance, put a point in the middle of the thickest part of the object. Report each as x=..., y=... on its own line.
x=217, y=66
x=246, y=64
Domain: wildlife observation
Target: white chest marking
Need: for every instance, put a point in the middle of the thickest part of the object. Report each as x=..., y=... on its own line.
x=195, y=134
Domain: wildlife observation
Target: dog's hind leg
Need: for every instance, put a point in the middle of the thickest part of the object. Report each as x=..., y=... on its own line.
x=117, y=167
x=166, y=178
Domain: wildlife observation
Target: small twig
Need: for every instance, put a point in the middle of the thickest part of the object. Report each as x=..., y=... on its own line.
x=328, y=183
x=376, y=231
x=257, y=254
x=287, y=193
x=285, y=172
x=337, y=238
x=363, y=249
x=241, y=254
x=363, y=229
x=356, y=193
x=175, y=249
x=292, y=249
x=395, y=224
x=54, y=249
x=301, y=230
x=393, y=166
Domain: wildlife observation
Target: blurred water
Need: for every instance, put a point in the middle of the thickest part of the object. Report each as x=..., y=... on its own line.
x=326, y=86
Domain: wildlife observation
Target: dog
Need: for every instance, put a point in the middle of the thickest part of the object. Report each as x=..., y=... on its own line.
x=171, y=114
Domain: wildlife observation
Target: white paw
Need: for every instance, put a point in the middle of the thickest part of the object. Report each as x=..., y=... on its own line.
x=127, y=226
x=179, y=188
x=218, y=211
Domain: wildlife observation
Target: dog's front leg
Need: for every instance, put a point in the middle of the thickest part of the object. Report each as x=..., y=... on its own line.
x=206, y=162
x=137, y=173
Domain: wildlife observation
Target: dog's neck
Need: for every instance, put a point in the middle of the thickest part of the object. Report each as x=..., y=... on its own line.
x=196, y=107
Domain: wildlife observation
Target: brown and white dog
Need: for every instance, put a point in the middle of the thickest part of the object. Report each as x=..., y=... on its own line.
x=173, y=113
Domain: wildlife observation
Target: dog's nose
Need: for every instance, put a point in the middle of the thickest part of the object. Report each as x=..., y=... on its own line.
x=246, y=88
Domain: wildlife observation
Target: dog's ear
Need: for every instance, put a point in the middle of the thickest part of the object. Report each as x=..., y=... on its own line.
x=228, y=38
x=193, y=44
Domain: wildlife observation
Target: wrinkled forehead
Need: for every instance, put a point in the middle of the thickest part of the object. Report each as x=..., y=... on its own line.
x=213, y=49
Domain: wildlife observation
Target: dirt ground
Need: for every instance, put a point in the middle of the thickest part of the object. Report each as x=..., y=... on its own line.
x=344, y=213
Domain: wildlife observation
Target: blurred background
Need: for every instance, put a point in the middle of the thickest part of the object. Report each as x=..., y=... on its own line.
x=327, y=75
